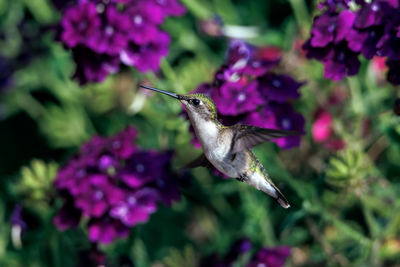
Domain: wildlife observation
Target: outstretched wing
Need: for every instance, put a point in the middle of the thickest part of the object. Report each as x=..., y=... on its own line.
x=247, y=136
x=200, y=161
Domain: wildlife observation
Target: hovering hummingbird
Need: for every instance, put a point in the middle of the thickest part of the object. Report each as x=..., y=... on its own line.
x=228, y=148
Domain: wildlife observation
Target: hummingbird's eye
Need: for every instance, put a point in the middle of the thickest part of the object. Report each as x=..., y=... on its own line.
x=195, y=102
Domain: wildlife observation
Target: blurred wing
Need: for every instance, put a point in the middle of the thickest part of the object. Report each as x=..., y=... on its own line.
x=201, y=161
x=249, y=136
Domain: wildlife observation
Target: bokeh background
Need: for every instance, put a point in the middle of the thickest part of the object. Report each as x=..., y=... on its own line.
x=91, y=165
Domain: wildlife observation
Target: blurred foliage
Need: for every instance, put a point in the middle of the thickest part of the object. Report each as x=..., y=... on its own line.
x=345, y=204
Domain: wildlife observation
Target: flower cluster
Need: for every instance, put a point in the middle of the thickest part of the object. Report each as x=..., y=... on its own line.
x=347, y=29
x=115, y=185
x=264, y=257
x=104, y=34
x=246, y=91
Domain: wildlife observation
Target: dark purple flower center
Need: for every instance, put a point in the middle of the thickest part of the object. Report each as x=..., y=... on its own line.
x=82, y=25
x=80, y=173
x=140, y=168
x=286, y=123
x=116, y=144
x=372, y=33
x=160, y=183
x=375, y=7
x=276, y=83
x=98, y=195
x=332, y=27
x=341, y=57
x=109, y=30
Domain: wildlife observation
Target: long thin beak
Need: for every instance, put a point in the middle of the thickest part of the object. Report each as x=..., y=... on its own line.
x=162, y=91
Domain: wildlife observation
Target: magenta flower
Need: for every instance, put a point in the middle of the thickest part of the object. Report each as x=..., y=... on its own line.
x=331, y=28
x=112, y=37
x=279, y=88
x=136, y=207
x=115, y=185
x=105, y=230
x=79, y=24
x=236, y=98
x=104, y=34
x=340, y=34
x=145, y=17
x=148, y=56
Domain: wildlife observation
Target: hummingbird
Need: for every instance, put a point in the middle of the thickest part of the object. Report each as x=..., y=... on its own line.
x=228, y=148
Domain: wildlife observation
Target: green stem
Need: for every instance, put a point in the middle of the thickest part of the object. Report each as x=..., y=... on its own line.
x=33, y=107
x=197, y=9
x=356, y=99
x=301, y=14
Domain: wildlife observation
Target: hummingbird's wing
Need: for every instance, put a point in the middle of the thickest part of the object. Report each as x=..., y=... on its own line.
x=200, y=161
x=247, y=136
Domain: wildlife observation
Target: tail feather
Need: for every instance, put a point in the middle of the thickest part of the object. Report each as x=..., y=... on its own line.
x=264, y=184
x=282, y=200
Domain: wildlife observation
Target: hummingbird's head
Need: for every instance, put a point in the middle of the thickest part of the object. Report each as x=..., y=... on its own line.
x=197, y=105
x=200, y=105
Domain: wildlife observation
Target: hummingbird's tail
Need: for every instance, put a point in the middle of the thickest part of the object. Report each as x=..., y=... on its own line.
x=281, y=199
x=263, y=183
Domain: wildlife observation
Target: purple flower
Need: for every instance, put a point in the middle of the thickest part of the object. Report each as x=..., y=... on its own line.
x=68, y=216
x=145, y=167
x=101, y=34
x=340, y=34
x=147, y=56
x=121, y=145
x=275, y=257
x=145, y=16
x=170, y=7
x=278, y=87
x=331, y=28
x=105, y=230
x=96, y=195
x=372, y=14
x=239, y=53
x=365, y=41
x=339, y=62
x=112, y=37
x=389, y=46
x=93, y=67
x=115, y=185
x=79, y=24
x=136, y=207
x=237, y=98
